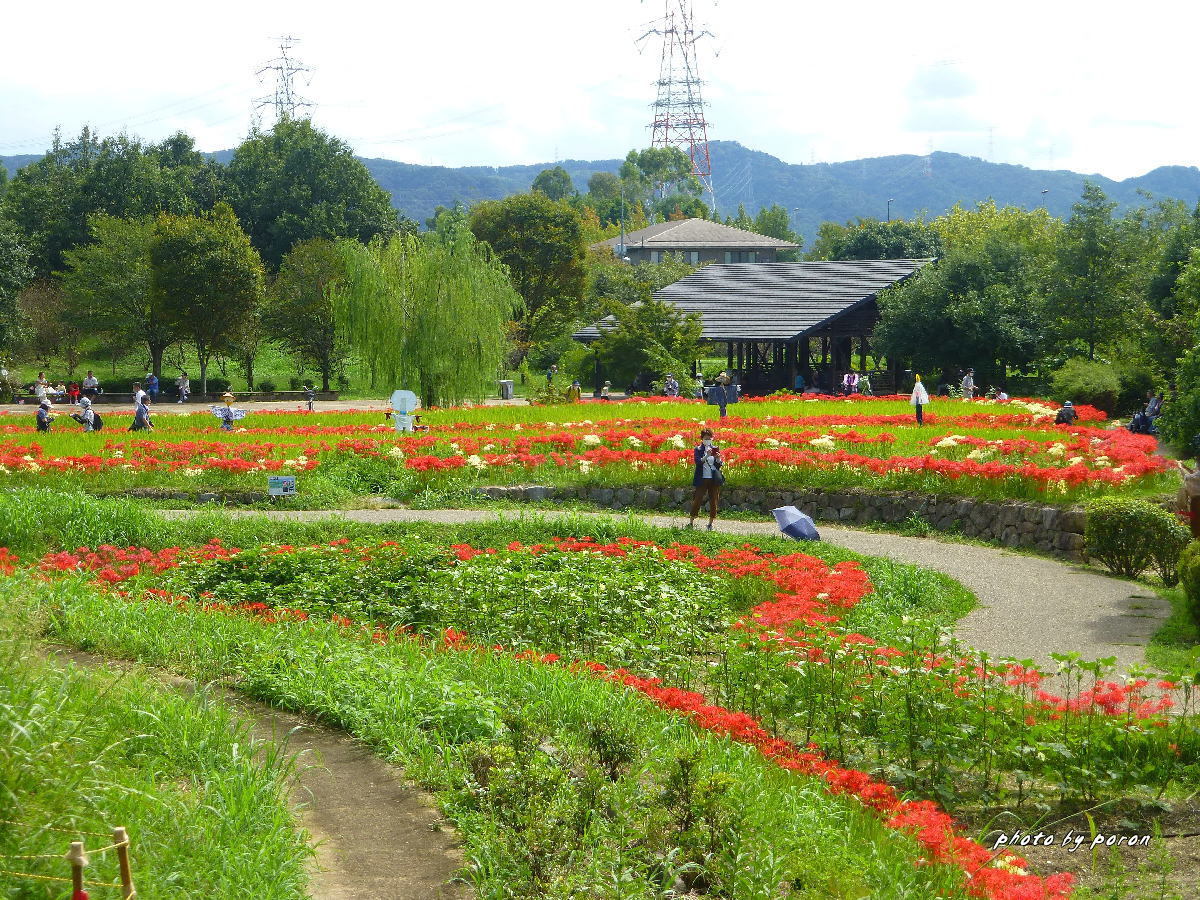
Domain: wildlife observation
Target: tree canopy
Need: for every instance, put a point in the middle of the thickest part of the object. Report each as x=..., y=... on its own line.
x=53, y=198
x=541, y=242
x=15, y=273
x=554, y=183
x=296, y=182
x=430, y=314
x=299, y=311
x=207, y=277
x=873, y=239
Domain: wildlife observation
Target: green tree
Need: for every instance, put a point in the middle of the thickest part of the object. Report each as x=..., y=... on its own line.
x=604, y=186
x=742, y=220
x=209, y=279
x=53, y=198
x=614, y=284
x=299, y=311
x=983, y=303
x=428, y=313
x=109, y=286
x=541, y=242
x=15, y=273
x=1090, y=297
x=649, y=336
x=296, y=182
x=49, y=328
x=554, y=183
x=873, y=239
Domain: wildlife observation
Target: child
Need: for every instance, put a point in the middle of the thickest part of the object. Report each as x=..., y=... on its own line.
x=309, y=395
x=44, y=417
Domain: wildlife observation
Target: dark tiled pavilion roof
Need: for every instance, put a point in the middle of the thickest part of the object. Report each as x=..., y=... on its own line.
x=776, y=301
x=696, y=234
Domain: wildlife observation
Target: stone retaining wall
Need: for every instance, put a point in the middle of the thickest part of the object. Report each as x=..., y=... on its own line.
x=1050, y=529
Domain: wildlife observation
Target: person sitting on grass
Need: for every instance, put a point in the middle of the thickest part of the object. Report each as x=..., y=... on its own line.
x=44, y=417
x=1066, y=415
x=87, y=416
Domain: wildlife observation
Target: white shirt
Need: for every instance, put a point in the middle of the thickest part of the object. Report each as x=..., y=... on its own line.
x=709, y=465
x=920, y=396
x=140, y=396
x=91, y=381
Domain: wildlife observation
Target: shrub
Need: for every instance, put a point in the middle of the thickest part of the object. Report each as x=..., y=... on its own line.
x=1126, y=536
x=1169, y=552
x=1135, y=380
x=296, y=384
x=218, y=385
x=1180, y=420
x=267, y=386
x=1086, y=381
x=1189, y=575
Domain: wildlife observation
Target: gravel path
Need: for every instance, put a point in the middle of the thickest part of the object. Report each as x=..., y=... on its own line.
x=1029, y=606
x=374, y=836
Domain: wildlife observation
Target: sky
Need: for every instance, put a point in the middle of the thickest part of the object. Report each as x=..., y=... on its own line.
x=1058, y=84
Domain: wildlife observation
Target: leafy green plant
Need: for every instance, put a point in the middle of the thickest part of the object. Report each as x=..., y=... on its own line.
x=1189, y=577
x=1127, y=536
x=1168, y=551
x=1084, y=381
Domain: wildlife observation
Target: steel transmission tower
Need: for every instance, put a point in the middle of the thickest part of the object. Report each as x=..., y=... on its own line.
x=286, y=99
x=679, y=107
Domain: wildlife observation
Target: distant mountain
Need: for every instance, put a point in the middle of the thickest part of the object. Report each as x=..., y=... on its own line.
x=816, y=193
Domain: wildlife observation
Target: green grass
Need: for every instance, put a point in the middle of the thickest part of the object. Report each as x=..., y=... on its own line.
x=86, y=750
x=1176, y=645
x=561, y=784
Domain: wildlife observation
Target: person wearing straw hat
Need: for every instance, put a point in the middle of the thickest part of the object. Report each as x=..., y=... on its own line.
x=919, y=398
x=226, y=413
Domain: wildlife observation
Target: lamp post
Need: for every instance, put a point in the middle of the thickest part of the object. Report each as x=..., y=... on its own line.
x=891, y=200
x=621, y=246
x=1044, y=193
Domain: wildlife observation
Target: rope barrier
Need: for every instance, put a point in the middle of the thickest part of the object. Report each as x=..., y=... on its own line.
x=35, y=856
x=107, y=884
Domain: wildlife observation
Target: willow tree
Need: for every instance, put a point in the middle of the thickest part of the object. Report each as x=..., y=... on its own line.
x=429, y=313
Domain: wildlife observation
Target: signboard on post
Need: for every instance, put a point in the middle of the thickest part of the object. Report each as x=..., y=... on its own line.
x=281, y=485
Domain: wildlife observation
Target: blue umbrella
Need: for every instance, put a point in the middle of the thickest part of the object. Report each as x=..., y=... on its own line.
x=795, y=524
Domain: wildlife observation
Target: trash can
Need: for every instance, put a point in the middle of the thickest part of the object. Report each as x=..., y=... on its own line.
x=506, y=390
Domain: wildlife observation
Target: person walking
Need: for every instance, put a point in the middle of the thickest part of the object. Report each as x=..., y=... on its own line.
x=919, y=398
x=968, y=385
x=183, y=386
x=707, y=478
x=864, y=384
x=310, y=396
x=138, y=394
x=141, y=414
x=606, y=391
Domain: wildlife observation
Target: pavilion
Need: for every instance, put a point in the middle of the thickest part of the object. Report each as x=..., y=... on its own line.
x=780, y=320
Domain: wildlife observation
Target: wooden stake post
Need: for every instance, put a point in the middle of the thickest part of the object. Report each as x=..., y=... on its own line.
x=121, y=839
x=78, y=859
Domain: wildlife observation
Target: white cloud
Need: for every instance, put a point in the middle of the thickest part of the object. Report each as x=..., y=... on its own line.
x=477, y=82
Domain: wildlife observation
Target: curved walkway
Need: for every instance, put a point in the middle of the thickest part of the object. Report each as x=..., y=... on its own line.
x=374, y=836
x=1029, y=606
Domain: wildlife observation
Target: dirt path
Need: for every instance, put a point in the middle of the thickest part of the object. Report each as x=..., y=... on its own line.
x=1029, y=606
x=375, y=837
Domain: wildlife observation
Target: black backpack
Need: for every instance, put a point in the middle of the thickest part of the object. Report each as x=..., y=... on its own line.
x=97, y=422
